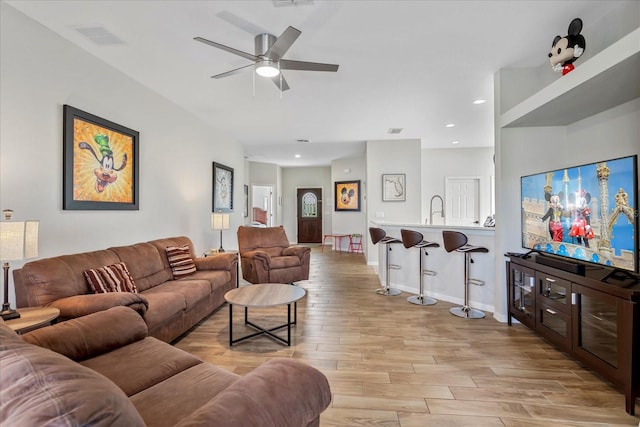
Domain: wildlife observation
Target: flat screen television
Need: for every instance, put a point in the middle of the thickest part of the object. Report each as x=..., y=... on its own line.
x=587, y=213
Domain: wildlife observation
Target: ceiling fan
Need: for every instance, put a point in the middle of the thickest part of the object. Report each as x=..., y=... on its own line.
x=268, y=59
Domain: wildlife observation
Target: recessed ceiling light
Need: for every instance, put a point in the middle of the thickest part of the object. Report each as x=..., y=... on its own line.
x=449, y=125
x=297, y=156
x=455, y=142
x=479, y=101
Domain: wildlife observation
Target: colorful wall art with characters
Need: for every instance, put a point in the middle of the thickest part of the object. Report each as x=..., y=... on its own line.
x=100, y=163
x=565, y=50
x=347, y=195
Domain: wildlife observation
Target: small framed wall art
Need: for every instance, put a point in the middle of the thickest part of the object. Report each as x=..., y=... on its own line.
x=347, y=196
x=222, y=188
x=393, y=187
x=100, y=163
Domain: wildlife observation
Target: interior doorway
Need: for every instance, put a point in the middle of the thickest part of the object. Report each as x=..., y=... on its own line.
x=462, y=196
x=262, y=205
x=309, y=201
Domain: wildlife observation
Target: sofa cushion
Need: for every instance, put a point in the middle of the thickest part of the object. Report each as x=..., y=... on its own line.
x=43, y=281
x=110, y=278
x=128, y=366
x=43, y=388
x=146, y=264
x=162, y=306
x=180, y=261
x=191, y=291
x=203, y=382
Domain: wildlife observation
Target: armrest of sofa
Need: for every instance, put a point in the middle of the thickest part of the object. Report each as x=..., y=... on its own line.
x=222, y=261
x=298, y=251
x=278, y=393
x=91, y=335
x=81, y=305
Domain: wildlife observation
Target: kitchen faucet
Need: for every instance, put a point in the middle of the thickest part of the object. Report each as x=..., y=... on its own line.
x=431, y=211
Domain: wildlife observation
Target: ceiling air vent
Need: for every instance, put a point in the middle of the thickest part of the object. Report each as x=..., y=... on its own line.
x=395, y=131
x=282, y=3
x=100, y=35
x=303, y=141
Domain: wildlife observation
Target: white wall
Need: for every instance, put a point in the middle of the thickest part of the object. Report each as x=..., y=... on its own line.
x=308, y=177
x=449, y=162
x=39, y=73
x=385, y=157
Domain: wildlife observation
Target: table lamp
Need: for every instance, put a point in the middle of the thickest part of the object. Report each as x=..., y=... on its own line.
x=220, y=221
x=18, y=241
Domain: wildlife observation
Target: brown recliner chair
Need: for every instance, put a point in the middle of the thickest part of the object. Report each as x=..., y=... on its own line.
x=267, y=257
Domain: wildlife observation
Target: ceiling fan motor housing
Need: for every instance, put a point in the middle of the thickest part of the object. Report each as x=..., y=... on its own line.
x=263, y=42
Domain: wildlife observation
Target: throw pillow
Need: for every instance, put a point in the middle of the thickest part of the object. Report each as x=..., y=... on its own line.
x=111, y=278
x=180, y=261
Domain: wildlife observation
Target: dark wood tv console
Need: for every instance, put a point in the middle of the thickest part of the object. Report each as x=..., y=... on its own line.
x=594, y=317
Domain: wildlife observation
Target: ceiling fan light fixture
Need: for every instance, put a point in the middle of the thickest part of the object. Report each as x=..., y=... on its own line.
x=267, y=68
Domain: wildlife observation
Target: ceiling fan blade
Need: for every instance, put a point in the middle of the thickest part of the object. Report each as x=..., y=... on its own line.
x=286, y=64
x=232, y=72
x=227, y=48
x=282, y=43
x=276, y=80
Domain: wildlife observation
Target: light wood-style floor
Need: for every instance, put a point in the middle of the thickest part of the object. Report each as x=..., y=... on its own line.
x=392, y=363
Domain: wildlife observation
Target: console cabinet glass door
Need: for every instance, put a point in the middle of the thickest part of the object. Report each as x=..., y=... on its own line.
x=522, y=293
x=596, y=325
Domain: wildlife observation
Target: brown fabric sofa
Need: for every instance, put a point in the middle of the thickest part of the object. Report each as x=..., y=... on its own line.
x=266, y=256
x=103, y=370
x=169, y=307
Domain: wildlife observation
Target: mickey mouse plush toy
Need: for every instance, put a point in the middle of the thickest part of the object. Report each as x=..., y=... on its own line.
x=565, y=50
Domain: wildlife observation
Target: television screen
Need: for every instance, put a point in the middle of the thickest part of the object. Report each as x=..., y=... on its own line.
x=587, y=213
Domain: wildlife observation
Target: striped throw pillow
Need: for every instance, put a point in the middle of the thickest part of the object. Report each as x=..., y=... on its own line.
x=111, y=278
x=180, y=261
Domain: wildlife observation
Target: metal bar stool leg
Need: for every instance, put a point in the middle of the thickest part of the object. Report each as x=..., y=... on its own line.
x=466, y=311
x=421, y=299
x=387, y=289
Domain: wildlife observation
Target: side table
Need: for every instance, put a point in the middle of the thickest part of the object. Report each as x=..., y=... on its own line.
x=33, y=318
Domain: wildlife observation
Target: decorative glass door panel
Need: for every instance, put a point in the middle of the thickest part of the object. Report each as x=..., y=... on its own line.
x=597, y=324
x=309, y=205
x=523, y=285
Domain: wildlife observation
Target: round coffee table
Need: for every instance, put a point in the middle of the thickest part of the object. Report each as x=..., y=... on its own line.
x=261, y=296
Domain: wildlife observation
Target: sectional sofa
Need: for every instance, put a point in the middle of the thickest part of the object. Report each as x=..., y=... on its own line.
x=171, y=293
x=103, y=370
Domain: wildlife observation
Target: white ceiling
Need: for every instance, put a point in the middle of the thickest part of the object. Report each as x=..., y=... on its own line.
x=416, y=65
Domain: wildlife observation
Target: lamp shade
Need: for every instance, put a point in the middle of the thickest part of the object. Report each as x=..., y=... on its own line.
x=219, y=221
x=18, y=240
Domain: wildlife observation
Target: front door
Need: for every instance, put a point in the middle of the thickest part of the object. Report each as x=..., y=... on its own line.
x=309, y=215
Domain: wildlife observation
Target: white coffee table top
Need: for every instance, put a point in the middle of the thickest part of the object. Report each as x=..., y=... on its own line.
x=264, y=295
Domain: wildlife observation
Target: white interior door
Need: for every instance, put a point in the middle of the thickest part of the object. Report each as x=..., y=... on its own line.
x=462, y=195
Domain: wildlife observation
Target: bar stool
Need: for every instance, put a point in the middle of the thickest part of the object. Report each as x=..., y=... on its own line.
x=378, y=235
x=456, y=241
x=414, y=239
